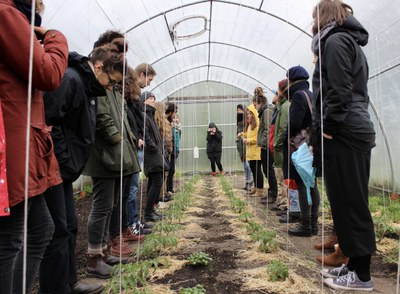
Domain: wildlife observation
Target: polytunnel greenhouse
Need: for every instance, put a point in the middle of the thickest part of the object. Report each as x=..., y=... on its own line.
x=169, y=222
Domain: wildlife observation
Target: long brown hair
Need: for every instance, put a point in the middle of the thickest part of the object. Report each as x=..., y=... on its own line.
x=330, y=10
x=253, y=122
x=160, y=118
x=132, y=88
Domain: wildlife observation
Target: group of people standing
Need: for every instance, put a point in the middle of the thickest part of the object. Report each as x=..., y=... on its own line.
x=79, y=123
x=96, y=131
x=336, y=120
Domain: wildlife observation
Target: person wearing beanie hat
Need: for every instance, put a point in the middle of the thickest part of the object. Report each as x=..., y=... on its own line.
x=241, y=147
x=297, y=73
x=300, y=119
x=146, y=95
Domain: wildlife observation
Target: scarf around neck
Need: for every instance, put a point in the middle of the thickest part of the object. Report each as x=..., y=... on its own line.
x=321, y=35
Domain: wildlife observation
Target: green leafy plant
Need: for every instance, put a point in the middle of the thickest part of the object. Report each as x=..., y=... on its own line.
x=200, y=258
x=237, y=204
x=393, y=256
x=267, y=240
x=154, y=244
x=198, y=289
x=166, y=228
x=131, y=276
x=246, y=216
x=277, y=271
x=253, y=227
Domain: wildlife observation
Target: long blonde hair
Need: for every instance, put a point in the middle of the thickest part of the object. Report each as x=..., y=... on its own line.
x=160, y=119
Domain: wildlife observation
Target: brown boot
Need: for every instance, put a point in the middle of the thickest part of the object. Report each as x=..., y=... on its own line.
x=98, y=268
x=130, y=237
x=259, y=193
x=252, y=191
x=335, y=259
x=115, y=247
x=329, y=244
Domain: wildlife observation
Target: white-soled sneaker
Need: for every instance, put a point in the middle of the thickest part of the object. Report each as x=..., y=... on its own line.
x=349, y=282
x=335, y=272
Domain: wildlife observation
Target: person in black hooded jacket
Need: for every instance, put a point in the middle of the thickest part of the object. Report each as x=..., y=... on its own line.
x=71, y=110
x=214, y=147
x=300, y=118
x=348, y=136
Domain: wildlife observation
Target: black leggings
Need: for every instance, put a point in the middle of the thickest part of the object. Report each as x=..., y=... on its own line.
x=258, y=178
x=215, y=158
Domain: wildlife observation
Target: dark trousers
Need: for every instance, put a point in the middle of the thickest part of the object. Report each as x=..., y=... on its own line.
x=215, y=158
x=258, y=178
x=309, y=213
x=60, y=254
x=120, y=207
x=171, y=173
x=39, y=233
x=154, y=184
x=105, y=190
x=267, y=160
x=346, y=177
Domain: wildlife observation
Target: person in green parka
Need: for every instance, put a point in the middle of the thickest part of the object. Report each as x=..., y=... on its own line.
x=282, y=105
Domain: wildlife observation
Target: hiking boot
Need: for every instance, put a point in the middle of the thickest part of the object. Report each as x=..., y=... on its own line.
x=292, y=217
x=130, y=237
x=271, y=197
x=259, y=193
x=113, y=260
x=222, y=172
x=335, y=272
x=349, y=282
x=329, y=244
x=214, y=174
x=152, y=217
x=337, y=258
x=247, y=187
x=86, y=288
x=119, y=247
x=300, y=231
x=252, y=191
x=98, y=268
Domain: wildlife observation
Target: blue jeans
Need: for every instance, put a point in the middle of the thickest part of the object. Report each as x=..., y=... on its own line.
x=247, y=171
x=132, y=213
x=40, y=232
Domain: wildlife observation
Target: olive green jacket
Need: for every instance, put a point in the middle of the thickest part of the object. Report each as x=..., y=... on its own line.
x=280, y=127
x=105, y=159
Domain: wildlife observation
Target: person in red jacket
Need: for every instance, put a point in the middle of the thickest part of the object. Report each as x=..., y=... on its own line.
x=26, y=185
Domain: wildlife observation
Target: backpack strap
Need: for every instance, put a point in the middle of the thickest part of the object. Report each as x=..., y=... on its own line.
x=308, y=101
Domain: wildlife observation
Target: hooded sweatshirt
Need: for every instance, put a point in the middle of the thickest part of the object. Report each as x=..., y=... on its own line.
x=346, y=99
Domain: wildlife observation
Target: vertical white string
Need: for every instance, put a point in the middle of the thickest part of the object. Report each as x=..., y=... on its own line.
x=28, y=135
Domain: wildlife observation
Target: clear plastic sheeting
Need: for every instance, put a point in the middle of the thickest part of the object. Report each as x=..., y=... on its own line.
x=246, y=44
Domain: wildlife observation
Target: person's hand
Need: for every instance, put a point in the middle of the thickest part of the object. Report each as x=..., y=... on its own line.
x=328, y=136
x=239, y=135
x=40, y=32
x=244, y=140
x=140, y=143
x=214, y=130
x=209, y=130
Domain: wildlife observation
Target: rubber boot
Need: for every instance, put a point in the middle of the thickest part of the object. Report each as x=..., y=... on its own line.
x=98, y=268
x=337, y=258
x=303, y=229
x=329, y=244
x=247, y=187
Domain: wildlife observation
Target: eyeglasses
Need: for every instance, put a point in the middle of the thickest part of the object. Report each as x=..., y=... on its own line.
x=111, y=81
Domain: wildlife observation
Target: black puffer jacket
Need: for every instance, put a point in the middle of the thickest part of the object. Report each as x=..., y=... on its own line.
x=71, y=110
x=153, y=146
x=344, y=87
x=214, y=142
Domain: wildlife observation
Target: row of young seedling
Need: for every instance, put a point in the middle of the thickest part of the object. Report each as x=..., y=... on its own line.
x=133, y=277
x=266, y=239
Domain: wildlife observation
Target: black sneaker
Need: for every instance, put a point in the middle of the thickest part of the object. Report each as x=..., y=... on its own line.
x=292, y=217
x=145, y=225
x=152, y=217
x=137, y=230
